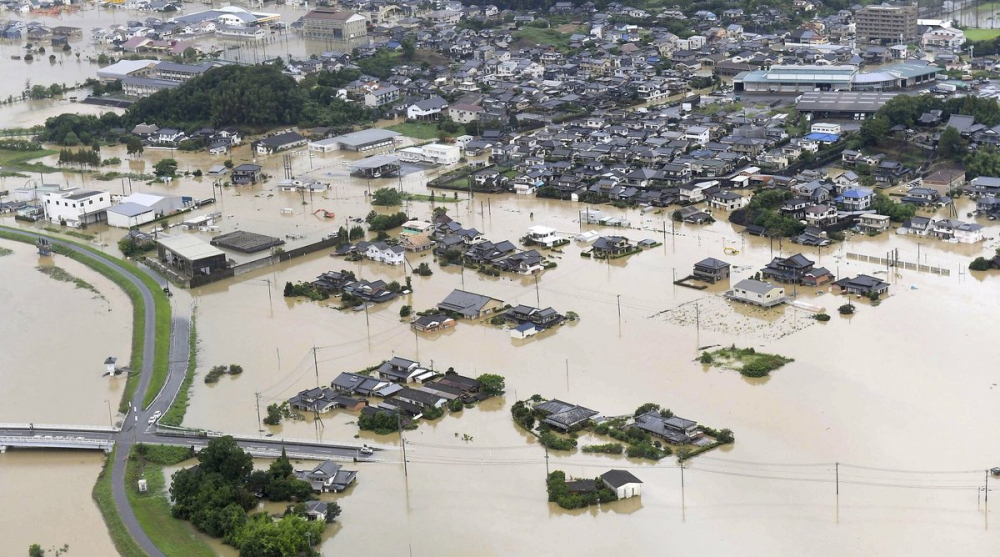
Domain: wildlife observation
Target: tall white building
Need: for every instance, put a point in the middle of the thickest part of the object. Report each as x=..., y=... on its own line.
x=76, y=206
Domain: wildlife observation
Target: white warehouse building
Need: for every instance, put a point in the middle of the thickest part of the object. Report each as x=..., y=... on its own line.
x=140, y=208
x=435, y=153
x=76, y=206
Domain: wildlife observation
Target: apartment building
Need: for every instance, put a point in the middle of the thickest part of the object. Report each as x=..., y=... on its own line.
x=886, y=25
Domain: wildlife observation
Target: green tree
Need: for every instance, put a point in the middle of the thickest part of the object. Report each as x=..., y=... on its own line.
x=409, y=48
x=273, y=415
x=875, y=130
x=282, y=467
x=950, y=144
x=491, y=384
x=225, y=457
x=35, y=550
x=165, y=167
x=405, y=311
x=71, y=139
x=388, y=197
x=980, y=264
x=133, y=146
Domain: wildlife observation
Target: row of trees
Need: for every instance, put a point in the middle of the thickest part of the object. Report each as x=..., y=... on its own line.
x=89, y=157
x=217, y=495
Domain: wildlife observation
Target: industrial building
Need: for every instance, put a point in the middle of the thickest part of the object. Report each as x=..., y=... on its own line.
x=364, y=141
x=76, y=207
x=434, y=153
x=883, y=24
x=140, y=208
x=841, y=104
x=190, y=256
x=379, y=166
x=809, y=78
x=329, y=24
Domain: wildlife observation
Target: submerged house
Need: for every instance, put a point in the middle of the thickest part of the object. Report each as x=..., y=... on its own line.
x=863, y=285
x=711, y=270
x=674, y=430
x=328, y=476
x=563, y=415
x=797, y=269
x=469, y=305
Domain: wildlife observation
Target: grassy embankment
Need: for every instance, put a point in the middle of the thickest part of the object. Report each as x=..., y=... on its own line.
x=15, y=163
x=152, y=510
x=124, y=543
x=161, y=356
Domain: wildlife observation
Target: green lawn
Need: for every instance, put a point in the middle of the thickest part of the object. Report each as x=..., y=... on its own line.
x=982, y=34
x=13, y=161
x=124, y=543
x=152, y=510
x=531, y=36
x=423, y=130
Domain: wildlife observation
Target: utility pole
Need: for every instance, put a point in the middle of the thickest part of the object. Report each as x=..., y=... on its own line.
x=111, y=421
x=987, y=486
x=259, y=428
x=316, y=366
x=619, y=297
x=538, y=299
x=837, y=468
x=402, y=442
x=270, y=301
x=546, y=461
x=367, y=323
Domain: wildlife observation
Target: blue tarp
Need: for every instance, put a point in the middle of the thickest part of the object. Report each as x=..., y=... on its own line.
x=823, y=137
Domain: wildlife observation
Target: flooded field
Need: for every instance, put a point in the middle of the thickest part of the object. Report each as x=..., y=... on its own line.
x=54, y=337
x=46, y=500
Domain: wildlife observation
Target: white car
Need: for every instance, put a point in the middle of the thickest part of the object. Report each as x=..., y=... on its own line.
x=156, y=414
x=152, y=419
x=366, y=451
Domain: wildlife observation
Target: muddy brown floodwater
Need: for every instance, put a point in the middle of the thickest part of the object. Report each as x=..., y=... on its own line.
x=903, y=396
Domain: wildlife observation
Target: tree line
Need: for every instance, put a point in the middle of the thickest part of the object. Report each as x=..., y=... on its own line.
x=248, y=97
x=217, y=495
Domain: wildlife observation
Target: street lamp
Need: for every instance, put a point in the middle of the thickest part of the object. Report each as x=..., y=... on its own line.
x=111, y=421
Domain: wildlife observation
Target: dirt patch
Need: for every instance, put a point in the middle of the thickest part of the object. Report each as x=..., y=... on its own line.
x=716, y=314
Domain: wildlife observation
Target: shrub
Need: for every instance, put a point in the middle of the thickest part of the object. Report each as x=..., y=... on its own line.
x=821, y=317
x=424, y=270
x=646, y=450
x=554, y=442
x=846, y=309
x=405, y=311
x=607, y=448
x=706, y=358
x=980, y=264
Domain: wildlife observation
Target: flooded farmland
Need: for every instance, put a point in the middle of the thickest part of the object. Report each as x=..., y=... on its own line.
x=898, y=401
x=47, y=501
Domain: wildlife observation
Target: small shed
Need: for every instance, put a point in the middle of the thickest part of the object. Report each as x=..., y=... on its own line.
x=623, y=482
x=524, y=330
x=109, y=365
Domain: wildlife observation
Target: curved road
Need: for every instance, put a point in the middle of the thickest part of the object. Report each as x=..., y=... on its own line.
x=136, y=429
x=123, y=442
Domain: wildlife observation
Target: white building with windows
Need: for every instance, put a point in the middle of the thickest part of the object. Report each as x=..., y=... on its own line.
x=76, y=207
